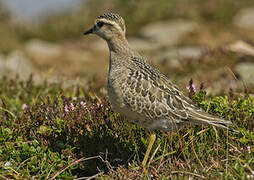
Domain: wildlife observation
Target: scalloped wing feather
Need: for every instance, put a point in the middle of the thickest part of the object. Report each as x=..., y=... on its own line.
x=150, y=93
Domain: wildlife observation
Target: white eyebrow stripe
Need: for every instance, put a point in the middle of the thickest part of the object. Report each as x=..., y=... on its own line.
x=113, y=23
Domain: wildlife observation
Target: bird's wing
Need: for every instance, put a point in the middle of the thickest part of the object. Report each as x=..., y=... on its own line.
x=151, y=93
x=147, y=92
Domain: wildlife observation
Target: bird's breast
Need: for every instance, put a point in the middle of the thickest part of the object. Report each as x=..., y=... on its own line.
x=114, y=92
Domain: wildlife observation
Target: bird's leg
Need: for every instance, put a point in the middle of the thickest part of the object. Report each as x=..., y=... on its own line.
x=149, y=148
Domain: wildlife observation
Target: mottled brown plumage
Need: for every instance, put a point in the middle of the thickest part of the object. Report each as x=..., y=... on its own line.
x=139, y=91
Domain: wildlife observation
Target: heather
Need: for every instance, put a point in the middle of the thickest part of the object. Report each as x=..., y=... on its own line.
x=50, y=131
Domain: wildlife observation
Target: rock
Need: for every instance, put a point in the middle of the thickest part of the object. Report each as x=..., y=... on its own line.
x=39, y=49
x=244, y=19
x=167, y=33
x=241, y=47
x=17, y=63
x=2, y=63
x=78, y=55
x=223, y=85
x=222, y=82
x=246, y=72
x=142, y=44
x=174, y=56
x=184, y=53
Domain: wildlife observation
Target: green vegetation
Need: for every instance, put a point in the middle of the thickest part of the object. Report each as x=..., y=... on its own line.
x=47, y=130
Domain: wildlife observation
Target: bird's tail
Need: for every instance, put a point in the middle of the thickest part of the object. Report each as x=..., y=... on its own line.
x=200, y=117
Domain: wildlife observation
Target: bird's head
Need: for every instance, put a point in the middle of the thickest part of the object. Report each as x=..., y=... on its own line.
x=107, y=26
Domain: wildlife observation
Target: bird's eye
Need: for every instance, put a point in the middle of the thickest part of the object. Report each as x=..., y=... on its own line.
x=100, y=24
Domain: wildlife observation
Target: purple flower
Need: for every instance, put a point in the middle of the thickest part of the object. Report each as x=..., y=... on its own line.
x=191, y=87
x=82, y=103
x=72, y=107
x=249, y=150
x=66, y=109
x=24, y=107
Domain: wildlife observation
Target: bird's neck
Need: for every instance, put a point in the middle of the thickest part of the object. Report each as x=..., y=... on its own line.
x=119, y=45
x=120, y=52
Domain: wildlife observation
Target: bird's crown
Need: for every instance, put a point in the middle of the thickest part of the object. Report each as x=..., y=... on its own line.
x=112, y=18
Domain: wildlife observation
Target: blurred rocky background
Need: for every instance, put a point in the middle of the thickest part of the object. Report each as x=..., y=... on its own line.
x=209, y=41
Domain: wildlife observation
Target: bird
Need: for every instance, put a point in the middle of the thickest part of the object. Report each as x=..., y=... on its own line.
x=142, y=93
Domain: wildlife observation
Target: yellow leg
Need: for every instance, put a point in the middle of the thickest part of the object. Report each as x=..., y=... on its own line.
x=151, y=142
